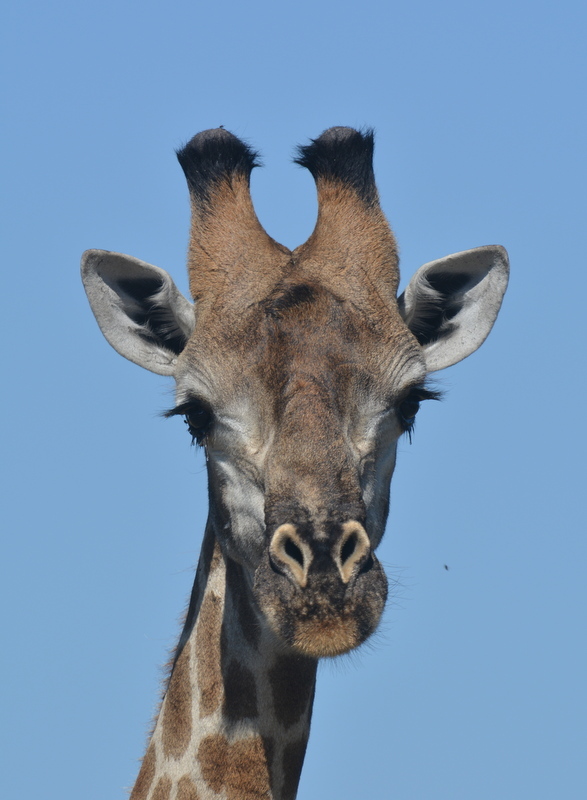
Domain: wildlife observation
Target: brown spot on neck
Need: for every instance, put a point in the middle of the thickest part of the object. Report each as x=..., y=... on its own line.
x=186, y=789
x=163, y=789
x=146, y=776
x=208, y=649
x=293, y=679
x=239, y=769
x=177, y=707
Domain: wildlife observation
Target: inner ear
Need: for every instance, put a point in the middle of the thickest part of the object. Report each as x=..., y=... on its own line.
x=440, y=299
x=147, y=306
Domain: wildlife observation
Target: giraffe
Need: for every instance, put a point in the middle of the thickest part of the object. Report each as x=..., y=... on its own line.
x=297, y=371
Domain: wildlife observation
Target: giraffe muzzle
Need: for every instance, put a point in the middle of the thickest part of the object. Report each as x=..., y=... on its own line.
x=324, y=595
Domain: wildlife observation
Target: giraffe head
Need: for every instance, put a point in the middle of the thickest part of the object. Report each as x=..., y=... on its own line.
x=298, y=371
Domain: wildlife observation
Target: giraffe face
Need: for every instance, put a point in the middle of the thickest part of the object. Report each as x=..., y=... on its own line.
x=298, y=371
x=300, y=429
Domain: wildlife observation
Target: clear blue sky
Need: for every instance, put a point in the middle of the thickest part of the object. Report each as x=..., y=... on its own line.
x=475, y=688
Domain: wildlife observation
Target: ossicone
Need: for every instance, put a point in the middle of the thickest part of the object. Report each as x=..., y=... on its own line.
x=214, y=156
x=226, y=238
x=342, y=155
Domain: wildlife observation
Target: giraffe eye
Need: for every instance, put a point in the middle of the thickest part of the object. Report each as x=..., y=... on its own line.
x=407, y=413
x=198, y=418
x=410, y=405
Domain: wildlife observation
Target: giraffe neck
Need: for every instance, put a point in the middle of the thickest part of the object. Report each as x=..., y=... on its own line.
x=235, y=720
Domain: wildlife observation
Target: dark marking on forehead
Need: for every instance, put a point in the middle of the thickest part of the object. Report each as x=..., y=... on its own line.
x=177, y=709
x=186, y=789
x=239, y=769
x=163, y=789
x=293, y=760
x=292, y=681
x=286, y=297
x=240, y=693
x=146, y=775
x=208, y=650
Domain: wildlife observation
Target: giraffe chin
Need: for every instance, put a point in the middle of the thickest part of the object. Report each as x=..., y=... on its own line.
x=322, y=638
x=326, y=639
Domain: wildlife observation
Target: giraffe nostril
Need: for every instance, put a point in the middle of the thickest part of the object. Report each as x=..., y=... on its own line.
x=353, y=550
x=293, y=551
x=289, y=551
x=348, y=548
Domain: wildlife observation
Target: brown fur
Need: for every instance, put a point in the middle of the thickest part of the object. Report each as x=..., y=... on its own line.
x=163, y=789
x=146, y=775
x=225, y=242
x=232, y=257
x=322, y=638
x=208, y=650
x=351, y=243
x=239, y=769
x=177, y=708
x=186, y=789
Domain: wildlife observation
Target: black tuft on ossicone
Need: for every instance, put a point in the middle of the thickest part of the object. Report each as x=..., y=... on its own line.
x=345, y=155
x=212, y=156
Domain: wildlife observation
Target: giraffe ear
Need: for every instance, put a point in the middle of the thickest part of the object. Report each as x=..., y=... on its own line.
x=139, y=309
x=450, y=305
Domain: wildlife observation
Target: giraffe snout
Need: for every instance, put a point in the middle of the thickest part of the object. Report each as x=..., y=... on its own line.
x=294, y=555
x=322, y=594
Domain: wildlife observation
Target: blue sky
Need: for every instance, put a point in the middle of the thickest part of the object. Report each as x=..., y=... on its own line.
x=475, y=686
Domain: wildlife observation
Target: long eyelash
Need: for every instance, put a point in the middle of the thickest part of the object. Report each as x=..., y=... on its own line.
x=180, y=410
x=421, y=393
x=418, y=394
